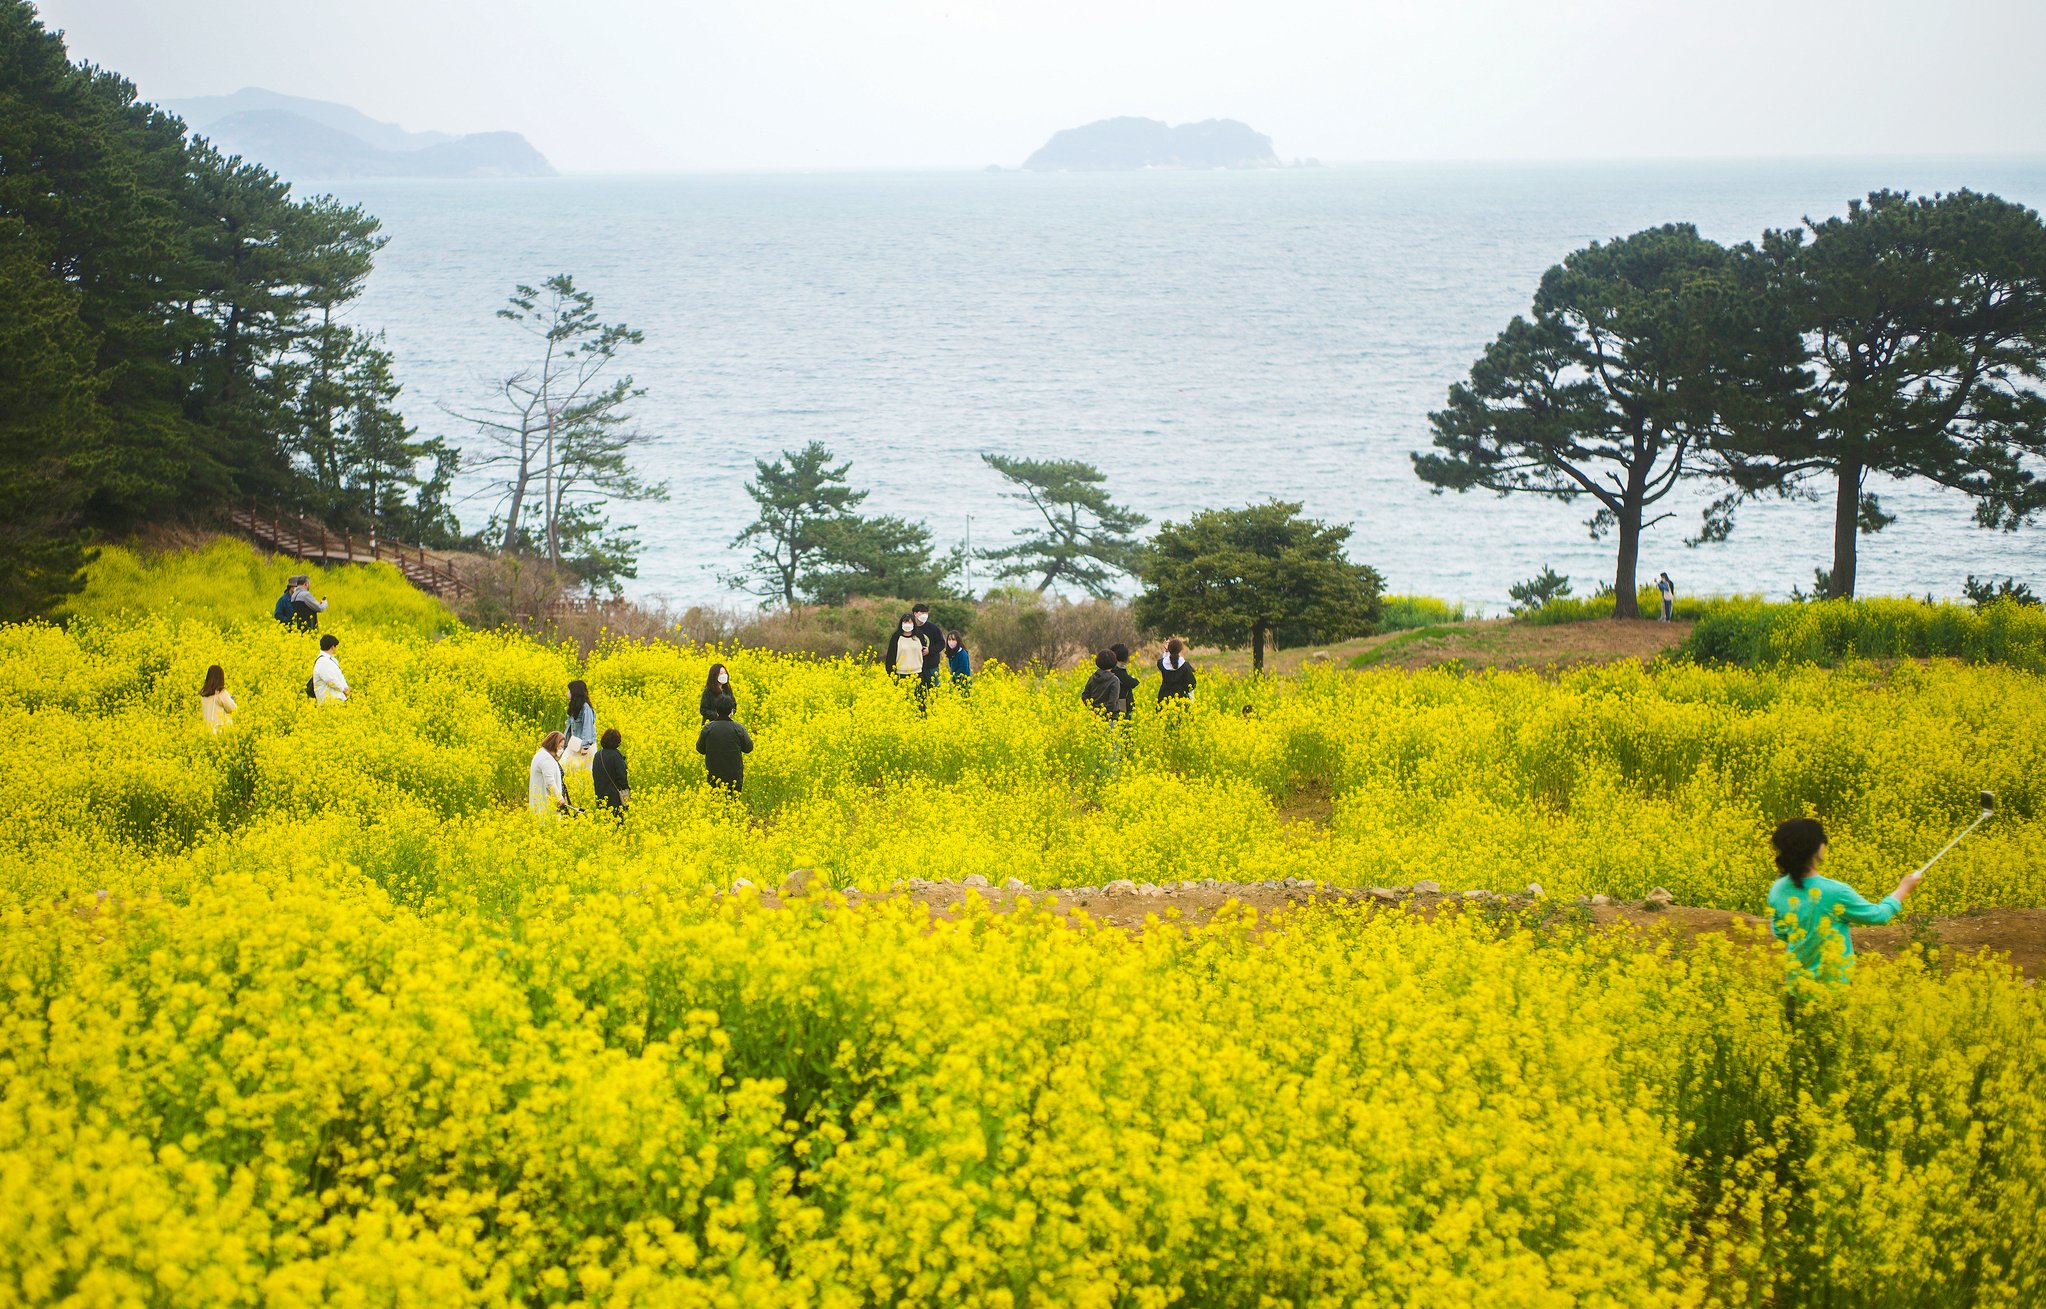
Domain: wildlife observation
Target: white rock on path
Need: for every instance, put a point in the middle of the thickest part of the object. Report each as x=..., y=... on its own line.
x=1015, y=884
x=1120, y=886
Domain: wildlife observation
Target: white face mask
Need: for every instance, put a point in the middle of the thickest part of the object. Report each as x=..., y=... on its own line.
x=908, y=627
x=723, y=678
x=923, y=618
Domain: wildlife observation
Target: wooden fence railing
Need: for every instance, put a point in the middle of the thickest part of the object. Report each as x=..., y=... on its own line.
x=302, y=538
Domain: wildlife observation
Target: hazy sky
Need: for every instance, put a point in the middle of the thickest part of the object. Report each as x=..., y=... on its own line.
x=611, y=85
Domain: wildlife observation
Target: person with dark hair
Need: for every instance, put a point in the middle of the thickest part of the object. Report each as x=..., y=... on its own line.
x=958, y=661
x=216, y=706
x=903, y=654
x=580, y=729
x=1668, y=591
x=327, y=683
x=1127, y=678
x=1809, y=912
x=717, y=691
x=724, y=746
x=933, y=640
x=281, y=611
x=1103, y=692
x=608, y=777
x=1175, y=673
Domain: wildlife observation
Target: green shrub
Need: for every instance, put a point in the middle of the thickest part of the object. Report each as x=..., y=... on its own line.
x=1832, y=631
x=1404, y=613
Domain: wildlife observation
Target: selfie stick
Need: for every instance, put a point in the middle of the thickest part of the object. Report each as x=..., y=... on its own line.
x=1988, y=811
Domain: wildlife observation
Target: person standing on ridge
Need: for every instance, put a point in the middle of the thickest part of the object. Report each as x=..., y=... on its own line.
x=327, y=683
x=1127, y=678
x=717, y=691
x=1175, y=674
x=1669, y=596
x=724, y=746
x=1810, y=913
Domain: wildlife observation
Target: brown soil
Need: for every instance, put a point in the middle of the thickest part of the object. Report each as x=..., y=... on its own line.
x=2019, y=934
x=1483, y=643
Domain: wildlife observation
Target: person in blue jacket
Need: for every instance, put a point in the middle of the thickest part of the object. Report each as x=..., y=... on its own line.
x=1811, y=914
x=958, y=662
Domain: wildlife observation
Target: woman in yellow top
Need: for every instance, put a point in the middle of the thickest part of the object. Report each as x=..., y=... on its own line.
x=216, y=706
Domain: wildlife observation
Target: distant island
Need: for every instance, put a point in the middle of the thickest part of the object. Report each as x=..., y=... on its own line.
x=1125, y=143
x=303, y=139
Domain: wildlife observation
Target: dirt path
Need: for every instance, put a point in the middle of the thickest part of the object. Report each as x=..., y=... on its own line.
x=2017, y=933
x=1482, y=643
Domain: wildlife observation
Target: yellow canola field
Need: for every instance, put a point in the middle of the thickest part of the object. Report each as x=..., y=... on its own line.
x=1612, y=780
x=313, y=1012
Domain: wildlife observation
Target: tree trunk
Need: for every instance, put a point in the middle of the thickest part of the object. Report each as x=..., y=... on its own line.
x=1626, y=591
x=1257, y=647
x=1846, y=531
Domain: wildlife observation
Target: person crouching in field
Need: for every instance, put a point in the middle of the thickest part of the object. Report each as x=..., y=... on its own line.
x=1175, y=674
x=1810, y=914
x=724, y=746
x=608, y=777
x=216, y=706
x=546, y=788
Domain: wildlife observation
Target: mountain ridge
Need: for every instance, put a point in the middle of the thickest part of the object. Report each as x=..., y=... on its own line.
x=1126, y=143
x=304, y=139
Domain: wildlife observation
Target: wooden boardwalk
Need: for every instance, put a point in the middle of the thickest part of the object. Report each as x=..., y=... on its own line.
x=294, y=535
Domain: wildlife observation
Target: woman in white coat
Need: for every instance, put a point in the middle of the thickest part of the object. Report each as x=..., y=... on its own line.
x=546, y=789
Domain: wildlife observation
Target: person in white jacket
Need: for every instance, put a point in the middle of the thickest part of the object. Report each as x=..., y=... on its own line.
x=328, y=683
x=546, y=789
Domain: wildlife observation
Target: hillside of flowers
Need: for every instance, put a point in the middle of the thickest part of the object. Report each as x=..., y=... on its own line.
x=314, y=1011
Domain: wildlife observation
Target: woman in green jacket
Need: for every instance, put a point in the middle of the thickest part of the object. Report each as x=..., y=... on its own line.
x=1810, y=914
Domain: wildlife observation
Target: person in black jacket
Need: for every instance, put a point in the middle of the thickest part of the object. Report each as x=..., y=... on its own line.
x=1126, y=677
x=1175, y=674
x=933, y=640
x=611, y=782
x=717, y=690
x=1103, y=692
x=724, y=746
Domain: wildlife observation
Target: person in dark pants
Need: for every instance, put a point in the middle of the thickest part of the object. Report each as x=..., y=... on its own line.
x=1668, y=590
x=717, y=690
x=724, y=746
x=1175, y=674
x=933, y=641
x=1126, y=677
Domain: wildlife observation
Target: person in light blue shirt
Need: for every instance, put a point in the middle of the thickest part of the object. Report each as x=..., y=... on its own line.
x=1811, y=914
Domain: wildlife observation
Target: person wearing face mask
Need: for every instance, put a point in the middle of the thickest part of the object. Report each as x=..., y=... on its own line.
x=934, y=646
x=903, y=655
x=958, y=662
x=717, y=694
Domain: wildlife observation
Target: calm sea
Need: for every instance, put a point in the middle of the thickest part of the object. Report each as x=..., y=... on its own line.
x=1208, y=339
